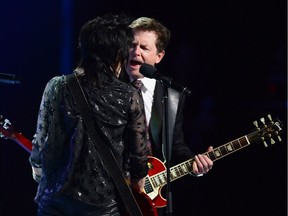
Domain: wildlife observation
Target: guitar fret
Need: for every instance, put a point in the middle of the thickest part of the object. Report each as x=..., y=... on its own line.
x=162, y=178
x=153, y=180
x=180, y=170
x=214, y=154
x=165, y=178
x=184, y=168
x=243, y=140
x=228, y=148
x=223, y=150
x=189, y=165
x=157, y=181
x=173, y=173
x=236, y=144
x=177, y=171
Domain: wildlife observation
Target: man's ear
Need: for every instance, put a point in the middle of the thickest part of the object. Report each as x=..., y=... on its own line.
x=159, y=57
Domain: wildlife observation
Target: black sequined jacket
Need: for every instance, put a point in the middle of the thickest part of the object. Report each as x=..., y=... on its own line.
x=63, y=149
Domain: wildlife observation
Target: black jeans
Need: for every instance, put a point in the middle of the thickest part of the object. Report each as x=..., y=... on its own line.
x=66, y=206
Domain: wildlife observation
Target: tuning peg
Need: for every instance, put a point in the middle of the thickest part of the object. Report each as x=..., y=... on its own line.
x=272, y=141
x=7, y=123
x=256, y=124
x=269, y=117
x=264, y=142
x=277, y=133
x=263, y=121
x=279, y=138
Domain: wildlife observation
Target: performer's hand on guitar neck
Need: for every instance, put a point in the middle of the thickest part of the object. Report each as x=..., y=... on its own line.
x=202, y=163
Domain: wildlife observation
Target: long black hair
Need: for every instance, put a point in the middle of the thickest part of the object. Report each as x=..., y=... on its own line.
x=104, y=43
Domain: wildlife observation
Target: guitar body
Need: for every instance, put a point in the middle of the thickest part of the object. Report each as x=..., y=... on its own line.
x=147, y=207
x=156, y=166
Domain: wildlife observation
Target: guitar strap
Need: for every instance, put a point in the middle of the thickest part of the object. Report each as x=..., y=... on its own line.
x=105, y=152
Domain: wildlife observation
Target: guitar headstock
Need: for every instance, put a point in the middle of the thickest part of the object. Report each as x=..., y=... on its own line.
x=7, y=131
x=267, y=131
x=6, y=128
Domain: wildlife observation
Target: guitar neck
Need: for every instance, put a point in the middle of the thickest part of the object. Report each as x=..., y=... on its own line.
x=185, y=167
x=22, y=141
x=228, y=148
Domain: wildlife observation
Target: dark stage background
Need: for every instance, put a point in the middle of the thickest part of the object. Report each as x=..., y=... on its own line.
x=230, y=54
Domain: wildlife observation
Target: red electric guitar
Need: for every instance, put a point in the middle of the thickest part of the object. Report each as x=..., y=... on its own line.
x=156, y=179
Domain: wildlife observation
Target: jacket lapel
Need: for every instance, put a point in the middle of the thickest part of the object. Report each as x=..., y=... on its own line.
x=156, y=121
x=157, y=115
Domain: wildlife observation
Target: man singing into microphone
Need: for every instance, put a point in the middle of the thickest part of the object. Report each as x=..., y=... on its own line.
x=150, y=41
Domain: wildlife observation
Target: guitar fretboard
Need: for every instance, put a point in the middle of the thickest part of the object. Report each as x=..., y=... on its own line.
x=185, y=167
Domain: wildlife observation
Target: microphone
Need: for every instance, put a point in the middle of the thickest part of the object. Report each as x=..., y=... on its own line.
x=150, y=71
x=9, y=78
